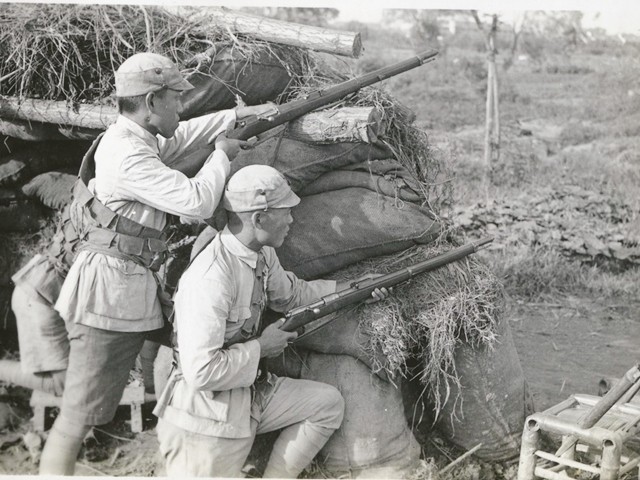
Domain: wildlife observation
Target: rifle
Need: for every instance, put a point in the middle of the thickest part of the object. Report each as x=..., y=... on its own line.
x=297, y=318
x=359, y=291
x=254, y=125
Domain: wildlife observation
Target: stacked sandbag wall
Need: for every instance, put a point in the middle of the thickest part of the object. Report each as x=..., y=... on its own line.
x=492, y=400
x=374, y=440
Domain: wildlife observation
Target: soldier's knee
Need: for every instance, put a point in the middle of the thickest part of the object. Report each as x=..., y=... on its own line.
x=333, y=404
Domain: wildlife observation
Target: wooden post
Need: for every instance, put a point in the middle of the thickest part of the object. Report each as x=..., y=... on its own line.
x=492, y=117
x=335, y=42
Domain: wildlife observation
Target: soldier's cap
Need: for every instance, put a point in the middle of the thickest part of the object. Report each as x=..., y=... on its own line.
x=258, y=187
x=148, y=72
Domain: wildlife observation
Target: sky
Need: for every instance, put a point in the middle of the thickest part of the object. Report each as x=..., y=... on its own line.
x=616, y=16
x=613, y=20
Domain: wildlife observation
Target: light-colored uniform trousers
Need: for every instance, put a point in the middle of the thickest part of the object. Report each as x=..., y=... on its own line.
x=308, y=411
x=44, y=347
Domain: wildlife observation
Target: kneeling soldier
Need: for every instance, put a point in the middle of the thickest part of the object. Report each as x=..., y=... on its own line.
x=217, y=400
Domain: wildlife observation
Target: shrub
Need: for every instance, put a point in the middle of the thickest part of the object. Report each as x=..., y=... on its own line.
x=577, y=133
x=535, y=272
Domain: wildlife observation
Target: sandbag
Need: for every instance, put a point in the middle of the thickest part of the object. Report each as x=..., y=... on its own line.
x=493, y=402
x=17, y=168
x=340, y=333
x=374, y=440
x=52, y=189
x=303, y=163
x=257, y=80
x=384, y=185
x=336, y=229
x=19, y=214
x=389, y=167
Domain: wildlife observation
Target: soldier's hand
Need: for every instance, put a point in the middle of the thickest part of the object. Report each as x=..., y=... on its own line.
x=378, y=294
x=230, y=146
x=273, y=340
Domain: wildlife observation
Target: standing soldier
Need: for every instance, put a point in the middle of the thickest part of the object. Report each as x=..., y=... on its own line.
x=217, y=400
x=110, y=299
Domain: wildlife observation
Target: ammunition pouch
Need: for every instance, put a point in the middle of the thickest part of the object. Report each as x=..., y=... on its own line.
x=104, y=231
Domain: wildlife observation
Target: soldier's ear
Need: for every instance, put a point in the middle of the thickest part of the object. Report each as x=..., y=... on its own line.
x=257, y=218
x=149, y=101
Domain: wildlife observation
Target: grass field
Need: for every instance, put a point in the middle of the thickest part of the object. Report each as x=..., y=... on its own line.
x=568, y=118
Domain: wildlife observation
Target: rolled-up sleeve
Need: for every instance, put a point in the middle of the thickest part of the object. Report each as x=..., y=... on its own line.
x=194, y=134
x=202, y=310
x=287, y=291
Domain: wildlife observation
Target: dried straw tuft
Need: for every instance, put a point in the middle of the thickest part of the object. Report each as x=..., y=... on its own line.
x=428, y=316
x=69, y=52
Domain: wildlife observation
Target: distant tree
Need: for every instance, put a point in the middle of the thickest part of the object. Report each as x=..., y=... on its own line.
x=564, y=26
x=356, y=26
x=425, y=24
x=318, y=17
x=516, y=29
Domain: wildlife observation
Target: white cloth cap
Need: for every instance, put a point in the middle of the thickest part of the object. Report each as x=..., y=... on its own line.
x=148, y=72
x=258, y=187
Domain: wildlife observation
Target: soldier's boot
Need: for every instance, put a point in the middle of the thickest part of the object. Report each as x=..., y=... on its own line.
x=63, y=445
x=294, y=449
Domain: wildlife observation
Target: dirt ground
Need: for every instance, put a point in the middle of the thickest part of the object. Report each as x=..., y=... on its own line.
x=567, y=347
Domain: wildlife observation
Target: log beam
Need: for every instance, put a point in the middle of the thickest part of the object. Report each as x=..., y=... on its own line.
x=335, y=42
x=40, y=132
x=96, y=117
x=37, y=120
x=347, y=124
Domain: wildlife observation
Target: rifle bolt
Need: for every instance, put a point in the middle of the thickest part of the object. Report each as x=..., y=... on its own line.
x=316, y=311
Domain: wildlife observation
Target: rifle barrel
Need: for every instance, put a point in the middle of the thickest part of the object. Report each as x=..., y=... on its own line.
x=298, y=317
x=254, y=125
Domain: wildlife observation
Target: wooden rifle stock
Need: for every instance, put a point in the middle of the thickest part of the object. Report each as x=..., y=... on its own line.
x=254, y=125
x=357, y=292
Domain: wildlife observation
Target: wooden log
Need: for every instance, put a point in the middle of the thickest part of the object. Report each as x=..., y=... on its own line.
x=348, y=124
x=40, y=132
x=96, y=117
x=33, y=119
x=336, y=42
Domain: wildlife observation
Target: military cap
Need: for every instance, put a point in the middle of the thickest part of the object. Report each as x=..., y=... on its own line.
x=148, y=72
x=258, y=187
